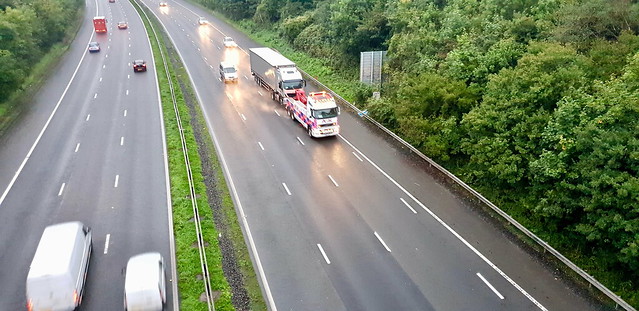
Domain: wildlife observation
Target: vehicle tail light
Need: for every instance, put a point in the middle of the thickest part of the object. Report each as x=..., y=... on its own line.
x=75, y=297
x=29, y=305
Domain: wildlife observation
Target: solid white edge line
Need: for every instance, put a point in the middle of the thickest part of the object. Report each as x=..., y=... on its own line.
x=286, y=188
x=382, y=241
x=117, y=178
x=46, y=124
x=300, y=140
x=490, y=286
x=258, y=262
x=333, y=180
x=486, y=260
x=360, y=159
x=328, y=262
x=169, y=204
x=106, y=243
x=61, y=189
x=259, y=143
x=406, y=203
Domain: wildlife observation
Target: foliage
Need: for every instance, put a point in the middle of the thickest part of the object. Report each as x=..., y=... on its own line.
x=581, y=22
x=504, y=130
x=27, y=32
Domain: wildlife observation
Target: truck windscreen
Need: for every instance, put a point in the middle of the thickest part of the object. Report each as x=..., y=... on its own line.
x=292, y=84
x=324, y=113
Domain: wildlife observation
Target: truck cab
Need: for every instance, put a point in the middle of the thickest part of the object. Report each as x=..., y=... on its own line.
x=290, y=80
x=317, y=112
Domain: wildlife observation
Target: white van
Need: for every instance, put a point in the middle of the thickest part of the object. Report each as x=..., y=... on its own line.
x=58, y=272
x=145, y=284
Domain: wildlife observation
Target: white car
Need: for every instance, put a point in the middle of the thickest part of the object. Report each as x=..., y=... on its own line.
x=228, y=72
x=202, y=21
x=229, y=43
x=145, y=284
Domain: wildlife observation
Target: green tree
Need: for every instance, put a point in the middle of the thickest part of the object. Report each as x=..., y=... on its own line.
x=503, y=132
x=581, y=22
x=588, y=172
x=10, y=75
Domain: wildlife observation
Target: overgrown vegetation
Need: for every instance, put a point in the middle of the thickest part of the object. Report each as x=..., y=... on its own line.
x=533, y=102
x=190, y=283
x=33, y=37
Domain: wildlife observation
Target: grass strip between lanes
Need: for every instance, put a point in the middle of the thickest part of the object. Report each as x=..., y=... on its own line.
x=187, y=256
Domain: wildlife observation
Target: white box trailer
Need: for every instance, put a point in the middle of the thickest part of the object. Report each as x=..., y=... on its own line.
x=276, y=73
x=57, y=276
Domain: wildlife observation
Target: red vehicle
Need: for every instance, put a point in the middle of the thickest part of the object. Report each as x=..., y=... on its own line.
x=99, y=23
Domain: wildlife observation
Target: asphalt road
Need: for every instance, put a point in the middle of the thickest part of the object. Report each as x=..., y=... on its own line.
x=100, y=160
x=350, y=222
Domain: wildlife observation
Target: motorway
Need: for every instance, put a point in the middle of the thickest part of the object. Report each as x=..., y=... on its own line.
x=351, y=222
x=89, y=148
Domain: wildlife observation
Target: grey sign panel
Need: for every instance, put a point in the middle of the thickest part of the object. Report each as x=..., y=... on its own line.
x=370, y=66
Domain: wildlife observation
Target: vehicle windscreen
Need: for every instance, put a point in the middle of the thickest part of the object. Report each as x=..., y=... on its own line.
x=324, y=113
x=229, y=70
x=292, y=85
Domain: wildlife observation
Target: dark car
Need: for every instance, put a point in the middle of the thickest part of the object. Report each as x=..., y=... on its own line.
x=94, y=47
x=139, y=65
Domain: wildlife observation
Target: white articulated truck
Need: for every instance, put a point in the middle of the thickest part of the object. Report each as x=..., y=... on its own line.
x=276, y=73
x=317, y=112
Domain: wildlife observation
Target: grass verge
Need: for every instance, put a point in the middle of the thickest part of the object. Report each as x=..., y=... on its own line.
x=187, y=255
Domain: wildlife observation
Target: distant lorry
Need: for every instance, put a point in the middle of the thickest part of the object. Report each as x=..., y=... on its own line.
x=58, y=271
x=99, y=23
x=317, y=112
x=276, y=73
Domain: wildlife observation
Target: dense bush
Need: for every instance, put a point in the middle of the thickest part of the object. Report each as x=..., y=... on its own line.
x=27, y=31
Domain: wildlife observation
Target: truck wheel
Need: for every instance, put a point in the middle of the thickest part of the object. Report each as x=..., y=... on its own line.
x=291, y=114
x=309, y=129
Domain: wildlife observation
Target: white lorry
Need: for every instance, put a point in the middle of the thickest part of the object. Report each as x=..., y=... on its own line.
x=276, y=73
x=57, y=275
x=317, y=112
